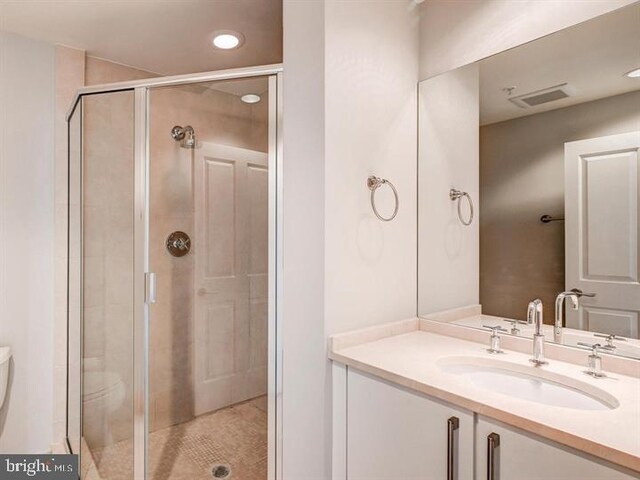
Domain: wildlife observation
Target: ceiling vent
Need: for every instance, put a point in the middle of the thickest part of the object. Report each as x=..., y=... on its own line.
x=540, y=97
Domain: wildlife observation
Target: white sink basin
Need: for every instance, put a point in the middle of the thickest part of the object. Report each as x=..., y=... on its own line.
x=529, y=383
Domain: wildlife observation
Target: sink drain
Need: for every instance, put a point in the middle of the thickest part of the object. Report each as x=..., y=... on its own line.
x=221, y=471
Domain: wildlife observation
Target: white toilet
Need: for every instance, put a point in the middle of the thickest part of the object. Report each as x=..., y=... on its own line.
x=5, y=357
x=103, y=394
x=103, y=391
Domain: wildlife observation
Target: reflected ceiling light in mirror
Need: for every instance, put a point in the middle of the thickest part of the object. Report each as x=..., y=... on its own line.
x=227, y=39
x=633, y=73
x=250, y=98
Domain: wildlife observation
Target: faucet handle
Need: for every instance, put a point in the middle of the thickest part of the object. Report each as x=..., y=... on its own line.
x=495, y=328
x=595, y=347
x=514, y=325
x=594, y=365
x=610, y=339
x=494, y=346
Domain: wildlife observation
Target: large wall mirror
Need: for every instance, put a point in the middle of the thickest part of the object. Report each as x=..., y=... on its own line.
x=529, y=186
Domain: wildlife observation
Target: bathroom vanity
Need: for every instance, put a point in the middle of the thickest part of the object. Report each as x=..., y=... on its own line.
x=412, y=403
x=524, y=360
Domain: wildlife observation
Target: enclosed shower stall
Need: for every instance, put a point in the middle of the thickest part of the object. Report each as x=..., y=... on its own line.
x=172, y=277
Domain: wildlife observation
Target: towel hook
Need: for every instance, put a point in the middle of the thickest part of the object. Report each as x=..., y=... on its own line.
x=458, y=195
x=374, y=183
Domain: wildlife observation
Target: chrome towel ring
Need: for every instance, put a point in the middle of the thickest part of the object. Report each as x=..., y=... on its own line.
x=374, y=183
x=457, y=195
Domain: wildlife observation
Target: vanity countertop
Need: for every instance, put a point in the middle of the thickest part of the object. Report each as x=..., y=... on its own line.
x=409, y=357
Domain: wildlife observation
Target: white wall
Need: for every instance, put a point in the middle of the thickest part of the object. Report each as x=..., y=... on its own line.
x=305, y=399
x=26, y=230
x=371, y=129
x=453, y=34
x=448, y=158
x=350, y=101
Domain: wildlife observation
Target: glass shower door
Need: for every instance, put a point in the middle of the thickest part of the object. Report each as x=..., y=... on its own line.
x=209, y=248
x=101, y=273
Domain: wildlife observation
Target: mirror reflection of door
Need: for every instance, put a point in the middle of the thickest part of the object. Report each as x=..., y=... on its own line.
x=601, y=233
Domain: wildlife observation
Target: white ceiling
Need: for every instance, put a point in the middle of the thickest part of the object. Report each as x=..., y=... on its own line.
x=591, y=57
x=161, y=36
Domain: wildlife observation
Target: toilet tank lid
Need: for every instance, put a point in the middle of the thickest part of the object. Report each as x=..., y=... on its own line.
x=5, y=354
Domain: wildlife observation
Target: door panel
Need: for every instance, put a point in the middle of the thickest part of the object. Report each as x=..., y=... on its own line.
x=231, y=224
x=609, y=200
x=524, y=456
x=393, y=433
x=602, y=213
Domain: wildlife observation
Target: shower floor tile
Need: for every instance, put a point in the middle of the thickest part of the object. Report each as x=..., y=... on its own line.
x=235, y=436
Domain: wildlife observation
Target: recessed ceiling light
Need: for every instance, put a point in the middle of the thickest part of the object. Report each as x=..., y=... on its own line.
x=227, y=40
x=633, y=73
x=250, y=98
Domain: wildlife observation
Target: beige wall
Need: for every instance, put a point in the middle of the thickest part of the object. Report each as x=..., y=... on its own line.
x=521, y=179
x=457, y=32
x=99, y=71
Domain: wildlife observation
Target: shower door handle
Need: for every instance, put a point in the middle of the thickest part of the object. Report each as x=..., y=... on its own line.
x=150, y=287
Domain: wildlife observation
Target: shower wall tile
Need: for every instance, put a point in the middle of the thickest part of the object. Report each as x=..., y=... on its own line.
x=94, y=291
x=94, y=319
x=118, y=276
x=94, y=230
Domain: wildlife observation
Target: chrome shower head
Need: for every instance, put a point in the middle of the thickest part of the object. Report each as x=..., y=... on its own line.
x=185, y=135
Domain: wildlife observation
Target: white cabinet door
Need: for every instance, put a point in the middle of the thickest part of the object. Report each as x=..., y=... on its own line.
x=396, y=434
x=523, y=456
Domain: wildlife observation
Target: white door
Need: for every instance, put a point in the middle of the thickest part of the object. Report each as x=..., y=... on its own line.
x=396, y=434
x=231, y=253
x=601, y=232
x=519, y=455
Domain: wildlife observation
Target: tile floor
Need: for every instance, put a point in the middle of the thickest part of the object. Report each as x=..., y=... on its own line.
x=235, y=436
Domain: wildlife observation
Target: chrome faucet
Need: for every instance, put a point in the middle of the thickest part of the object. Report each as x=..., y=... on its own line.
x=495, y=338
x=534, y=317
x=559, y=321
x=594, y=365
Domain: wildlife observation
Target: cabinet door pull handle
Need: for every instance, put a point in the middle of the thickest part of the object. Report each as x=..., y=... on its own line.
x=452, y=425
x=493, y=442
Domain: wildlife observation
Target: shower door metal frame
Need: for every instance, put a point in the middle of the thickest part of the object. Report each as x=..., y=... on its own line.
x=142, y=286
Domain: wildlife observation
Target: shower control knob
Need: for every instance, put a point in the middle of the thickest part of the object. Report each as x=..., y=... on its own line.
x=178, y=244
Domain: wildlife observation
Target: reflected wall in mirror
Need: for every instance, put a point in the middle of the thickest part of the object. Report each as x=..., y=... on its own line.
x=545, y=139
